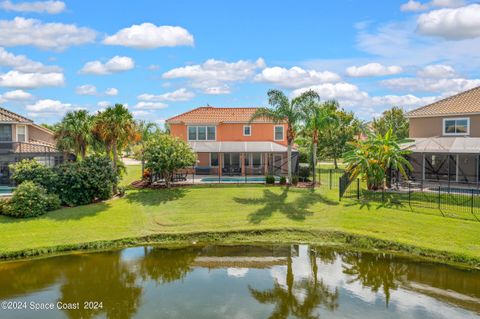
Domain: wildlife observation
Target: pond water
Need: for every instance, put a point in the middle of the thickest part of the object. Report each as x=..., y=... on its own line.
x=295, y=281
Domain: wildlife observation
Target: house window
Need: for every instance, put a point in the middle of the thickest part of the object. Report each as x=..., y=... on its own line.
x=201, y=133
x=278, y=133
x=247, y=130
x=213, y=159
x=21, y=133
x=5, y=132
x=458, y=126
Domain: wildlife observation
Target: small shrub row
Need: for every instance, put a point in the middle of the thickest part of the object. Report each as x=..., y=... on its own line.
x=269, y=179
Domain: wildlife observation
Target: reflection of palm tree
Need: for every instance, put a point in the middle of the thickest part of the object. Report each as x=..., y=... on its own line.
x=103, y=278
x=287, y=303
x=167, y=265
x=374, y=271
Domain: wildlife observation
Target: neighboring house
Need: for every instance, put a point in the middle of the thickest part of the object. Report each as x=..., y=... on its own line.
x=223, y=138
x=20, y=138
x=446, y=139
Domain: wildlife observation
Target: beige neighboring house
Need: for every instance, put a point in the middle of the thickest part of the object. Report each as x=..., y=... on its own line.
x=20, y=139
x=446, y=139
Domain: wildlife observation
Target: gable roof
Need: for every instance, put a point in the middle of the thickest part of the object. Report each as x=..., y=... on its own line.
x=8, y=116
x=215, y=115
x=467, y=102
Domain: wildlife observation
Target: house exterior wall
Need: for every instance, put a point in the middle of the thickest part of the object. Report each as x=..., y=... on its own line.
x=34, y=133
x=433, y=126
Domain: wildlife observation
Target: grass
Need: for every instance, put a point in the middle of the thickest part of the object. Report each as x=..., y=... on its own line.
x=240, y=213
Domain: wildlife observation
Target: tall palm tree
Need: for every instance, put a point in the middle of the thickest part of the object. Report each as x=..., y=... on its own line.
x=284, y=110
x=145, y=131
x=74, y=132
x=317, y=117
x=116, y=128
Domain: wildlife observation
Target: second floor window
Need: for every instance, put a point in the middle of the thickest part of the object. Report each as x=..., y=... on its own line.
x=247, y=130
x=459, y=126
x=201, y=133
x=21, y=133
x=278, y=133
x=5, y=133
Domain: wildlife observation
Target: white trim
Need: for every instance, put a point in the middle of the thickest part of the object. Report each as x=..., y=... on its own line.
x=283, y=133
x=455, y=119
x=16, y=132
x=250, y=127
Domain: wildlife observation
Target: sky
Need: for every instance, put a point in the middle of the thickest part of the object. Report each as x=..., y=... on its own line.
x=162, y=58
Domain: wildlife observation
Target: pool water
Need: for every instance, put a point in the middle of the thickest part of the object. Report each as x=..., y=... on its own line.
x=296, y=281
x=227, y=179
x=6, y=190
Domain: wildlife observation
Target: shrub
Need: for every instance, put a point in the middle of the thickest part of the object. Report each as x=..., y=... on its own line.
x=121, y=191
x=269, y=179
x=81, y=183
x=31, y=170
x=294, y=180
x=29, y=200
x=304, y=171
x=283, y=180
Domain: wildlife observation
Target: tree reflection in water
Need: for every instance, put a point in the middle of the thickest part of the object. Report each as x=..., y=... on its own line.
x=374, y=271
x=288, y=302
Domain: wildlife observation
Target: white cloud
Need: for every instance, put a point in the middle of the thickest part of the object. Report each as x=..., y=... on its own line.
x=295, y=77
x=437, y=71
x=217, y=90
x=15, y=79
x=48, y=107
x=177, y=95
x=111, y=91
x=22, y=63
x=212, y=74
x=104, y=104
x=149, y=36
x=416, y=6
x=142, y=114
x=115, y=64
x=372, y=69
x=86, y=89
x=452, y=24
x=342, y=90
x=48, y=36
x=17, y=95
x=51, y=7
x=154, y=67
x=150, y=105
x=444, y=85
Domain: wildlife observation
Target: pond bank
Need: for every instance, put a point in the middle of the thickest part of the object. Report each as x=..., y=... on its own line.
x=270, y=236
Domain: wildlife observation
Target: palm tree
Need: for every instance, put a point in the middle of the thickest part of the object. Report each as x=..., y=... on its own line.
x=145, y=131
x=74, y=132
x=116, y=128
x=289, y=111
x=317, y=117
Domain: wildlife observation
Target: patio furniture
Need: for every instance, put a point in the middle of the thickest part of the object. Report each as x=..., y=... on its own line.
x=202, y=170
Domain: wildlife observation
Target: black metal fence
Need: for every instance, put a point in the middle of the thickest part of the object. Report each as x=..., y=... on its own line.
x=459, y=200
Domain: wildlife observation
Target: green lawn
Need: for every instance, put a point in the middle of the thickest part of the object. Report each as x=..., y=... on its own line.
x=239, y=208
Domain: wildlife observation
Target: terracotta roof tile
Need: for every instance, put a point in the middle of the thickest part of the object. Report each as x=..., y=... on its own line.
x=214, y=115
x=8, y=116
x=34, y=146
x=467, y=102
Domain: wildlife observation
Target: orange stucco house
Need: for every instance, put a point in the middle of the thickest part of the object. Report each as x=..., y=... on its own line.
x=226, y=142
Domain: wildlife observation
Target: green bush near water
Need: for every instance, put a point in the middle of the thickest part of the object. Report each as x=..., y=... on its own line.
x=31, y=170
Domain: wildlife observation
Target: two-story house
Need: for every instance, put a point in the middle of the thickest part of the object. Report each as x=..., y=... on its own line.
x=20, y=138
x=227, y=143
x=446, y=139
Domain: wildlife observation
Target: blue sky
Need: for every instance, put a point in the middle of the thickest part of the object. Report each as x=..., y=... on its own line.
x=162, y=58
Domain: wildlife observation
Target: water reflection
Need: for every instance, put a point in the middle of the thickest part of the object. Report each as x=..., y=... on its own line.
x=243, y=281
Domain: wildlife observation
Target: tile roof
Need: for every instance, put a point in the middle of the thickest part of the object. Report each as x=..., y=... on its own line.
x=214, y=115
x=7, y=116
x=467, y=102
x=34, y=146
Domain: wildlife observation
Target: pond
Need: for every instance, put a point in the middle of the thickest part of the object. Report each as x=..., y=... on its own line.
x=295, y=281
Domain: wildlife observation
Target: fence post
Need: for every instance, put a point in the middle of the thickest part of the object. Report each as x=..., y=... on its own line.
x=330, y=179
x=383, y=194
x=358, y=188
x=471, y=207
x=410, y=195
x=439, y=197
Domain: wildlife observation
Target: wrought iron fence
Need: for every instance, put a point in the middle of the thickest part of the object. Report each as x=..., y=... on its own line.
x=455, y=200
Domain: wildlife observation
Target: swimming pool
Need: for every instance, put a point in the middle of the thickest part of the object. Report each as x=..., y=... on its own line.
x=239, y=179
x=6, y=190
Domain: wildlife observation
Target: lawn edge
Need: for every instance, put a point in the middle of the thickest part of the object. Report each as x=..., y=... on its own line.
x=268, y=236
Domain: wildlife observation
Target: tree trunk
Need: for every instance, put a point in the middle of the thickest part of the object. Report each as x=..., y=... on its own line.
x=289, y=162
x=314, y=163
x=335, y=164
x=115, y=164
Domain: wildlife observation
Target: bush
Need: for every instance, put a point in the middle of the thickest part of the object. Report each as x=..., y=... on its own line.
x=29, y=200
x=269, y=179
x=81, y=183
x=283, y=180
x=31, y=170
x=294, y=180
x=121, y=191
x=304, y=171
